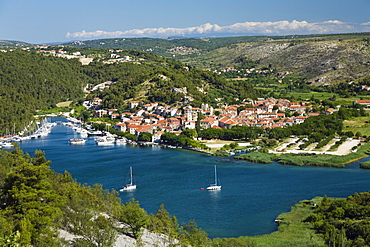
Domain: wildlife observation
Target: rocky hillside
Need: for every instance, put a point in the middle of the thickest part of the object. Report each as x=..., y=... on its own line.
x=319, y=61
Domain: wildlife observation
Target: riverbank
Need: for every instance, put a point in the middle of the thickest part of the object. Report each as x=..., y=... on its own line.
x=308, y=159
x=284, y=154
x=293, y=228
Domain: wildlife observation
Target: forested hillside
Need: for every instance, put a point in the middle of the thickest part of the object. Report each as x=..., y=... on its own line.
x=162, y=47
x=168, y=82
x=29, y=81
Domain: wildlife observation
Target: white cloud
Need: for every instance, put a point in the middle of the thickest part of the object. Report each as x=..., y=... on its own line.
x=208, y=29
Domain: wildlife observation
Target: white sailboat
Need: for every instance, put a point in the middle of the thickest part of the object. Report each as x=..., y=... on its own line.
x=130, y=186
x=214, y=186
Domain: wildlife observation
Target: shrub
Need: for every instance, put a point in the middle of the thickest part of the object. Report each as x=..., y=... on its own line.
x=257, y=157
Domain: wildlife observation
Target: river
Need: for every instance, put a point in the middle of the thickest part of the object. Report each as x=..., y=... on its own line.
x=252, y=195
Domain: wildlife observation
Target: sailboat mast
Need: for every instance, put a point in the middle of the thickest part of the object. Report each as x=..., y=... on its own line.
x=131, y=175
x=215, y=176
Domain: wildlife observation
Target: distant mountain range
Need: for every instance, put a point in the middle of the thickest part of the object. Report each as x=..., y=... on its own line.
x=12, y=44
x=321, y=59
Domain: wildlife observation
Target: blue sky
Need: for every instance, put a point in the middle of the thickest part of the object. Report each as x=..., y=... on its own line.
x=43, y=21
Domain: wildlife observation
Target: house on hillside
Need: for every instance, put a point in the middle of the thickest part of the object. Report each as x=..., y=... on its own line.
x=114, y=115
x=313, y=114
x=189, y=125
x=110, y=111
x=208, y=123
x=174, y=123
x=365, y=103
x=227, y=123
x=100, y=113
x=120, y=127
x=134, y=104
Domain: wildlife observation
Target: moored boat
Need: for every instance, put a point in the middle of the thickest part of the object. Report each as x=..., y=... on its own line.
x=77, y=141
x=121, y=141
x=105, y=141
x=5, y=144
x=130, y=186
x=95, y=133
x=216, y=185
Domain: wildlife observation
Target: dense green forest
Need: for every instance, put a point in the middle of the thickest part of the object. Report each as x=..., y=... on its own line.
x=152, y=83
x=29, y=81
x=343, y=221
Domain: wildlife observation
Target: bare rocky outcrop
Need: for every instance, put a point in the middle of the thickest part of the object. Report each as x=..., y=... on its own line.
x=148, y=239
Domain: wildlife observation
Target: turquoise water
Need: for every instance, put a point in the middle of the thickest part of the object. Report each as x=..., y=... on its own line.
x=252, y=196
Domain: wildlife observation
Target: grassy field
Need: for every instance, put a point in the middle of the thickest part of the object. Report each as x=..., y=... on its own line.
x=365, y=165
x=326, y=95
x=358, y=124
x=308, y=96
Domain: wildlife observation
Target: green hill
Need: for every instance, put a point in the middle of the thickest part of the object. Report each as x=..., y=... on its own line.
x=31, y=81
x=12, y=44
x=321, y=59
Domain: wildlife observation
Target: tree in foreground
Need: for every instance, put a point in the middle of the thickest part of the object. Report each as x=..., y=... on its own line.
x=30, y=200
x=135, y=217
